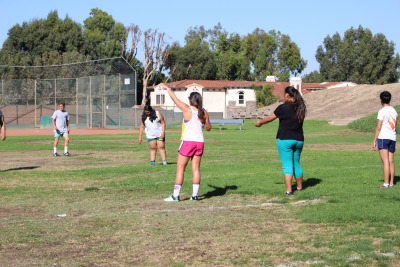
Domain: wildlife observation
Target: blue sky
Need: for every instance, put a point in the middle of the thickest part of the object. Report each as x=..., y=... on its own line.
x=307, y=22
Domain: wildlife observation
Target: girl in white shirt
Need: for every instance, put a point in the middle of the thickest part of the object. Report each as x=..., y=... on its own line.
x=192, y=145
x=154, y=125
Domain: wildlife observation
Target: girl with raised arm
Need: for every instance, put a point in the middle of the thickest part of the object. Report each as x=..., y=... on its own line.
x=192, y=146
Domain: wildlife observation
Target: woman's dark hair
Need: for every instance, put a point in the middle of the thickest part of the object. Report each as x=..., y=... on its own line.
x=196, y=101
x=152, y=116
x=298, y=104
x=385, y=97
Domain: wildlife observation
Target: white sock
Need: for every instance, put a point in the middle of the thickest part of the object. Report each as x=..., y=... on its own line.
x=65, y=149
x=386, y=185
x=177, y=190
x=164, y=162
x=55, y=150
x=196, y=187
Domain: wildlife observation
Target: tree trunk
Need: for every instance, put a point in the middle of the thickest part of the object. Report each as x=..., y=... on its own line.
x=144, y=92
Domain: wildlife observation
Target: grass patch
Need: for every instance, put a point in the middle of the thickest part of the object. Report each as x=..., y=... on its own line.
x=115, y=216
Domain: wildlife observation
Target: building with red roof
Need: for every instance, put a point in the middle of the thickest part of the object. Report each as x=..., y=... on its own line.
x=230, y=98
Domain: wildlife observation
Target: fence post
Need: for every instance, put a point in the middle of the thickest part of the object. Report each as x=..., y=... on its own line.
x=35, y=106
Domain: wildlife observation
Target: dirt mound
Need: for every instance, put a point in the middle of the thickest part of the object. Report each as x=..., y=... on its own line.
x=345, y=104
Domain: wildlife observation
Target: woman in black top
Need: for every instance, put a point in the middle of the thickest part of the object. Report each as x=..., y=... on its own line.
x=290, y=135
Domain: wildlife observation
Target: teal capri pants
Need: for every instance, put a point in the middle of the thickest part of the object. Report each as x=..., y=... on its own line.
x=289, y=151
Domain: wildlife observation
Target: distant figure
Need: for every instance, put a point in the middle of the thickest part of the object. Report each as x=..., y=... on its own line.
x=61, y=128
x=192, y=146
x=2, y=126
x=385, y=138
x=154, y=125
x=290, y=136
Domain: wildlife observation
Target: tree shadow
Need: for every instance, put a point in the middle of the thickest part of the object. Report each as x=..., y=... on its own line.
x=396, y=179
x=21, y=168
x=218, y=191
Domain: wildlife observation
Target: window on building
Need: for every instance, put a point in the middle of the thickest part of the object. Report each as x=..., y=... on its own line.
x=160, y=99
x=241, y=98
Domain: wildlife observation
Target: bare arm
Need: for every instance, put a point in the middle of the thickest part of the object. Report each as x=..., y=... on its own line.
x=266, y=120
x=3, y=129
x=68, y=127
x=141, y=129
x=182, y=106
x=162, y=124
x=207, y=124
x=54, y=124
x=377, y=131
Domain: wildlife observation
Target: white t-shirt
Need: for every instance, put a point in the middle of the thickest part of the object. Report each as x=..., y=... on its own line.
x=388, y=116
x=153, y=129
x=61, y=118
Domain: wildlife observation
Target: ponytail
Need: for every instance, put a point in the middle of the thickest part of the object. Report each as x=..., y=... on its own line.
x=298, y=104
x=196, y=101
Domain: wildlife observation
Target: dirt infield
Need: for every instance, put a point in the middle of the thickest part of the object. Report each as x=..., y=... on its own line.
x=93, y=131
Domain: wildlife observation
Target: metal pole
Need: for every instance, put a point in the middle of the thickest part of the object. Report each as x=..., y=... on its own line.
x=76, y=101
x=104, y=103
x=55, y=94
x=119, y=99
x=90, y=102
x=35, y=105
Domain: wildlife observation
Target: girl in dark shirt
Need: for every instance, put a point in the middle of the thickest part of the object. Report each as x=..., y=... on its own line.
x=290, y=136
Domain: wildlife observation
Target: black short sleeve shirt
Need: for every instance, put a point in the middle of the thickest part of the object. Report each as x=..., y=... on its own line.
x=289, y=127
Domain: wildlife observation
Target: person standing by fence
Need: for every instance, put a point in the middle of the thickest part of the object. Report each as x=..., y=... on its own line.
x=2, y=126
x=154, y=125
x=61, y=128
x=290, y=136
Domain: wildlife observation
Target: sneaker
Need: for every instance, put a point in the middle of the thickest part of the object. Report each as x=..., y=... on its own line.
x=152, y=163
x=391, y=185
x=288, y=193
x=171, y=198
x=67, y=154
x=165, y=163
x=299, y=189
x=194, y=198
x=56, y=155
x=383, y=186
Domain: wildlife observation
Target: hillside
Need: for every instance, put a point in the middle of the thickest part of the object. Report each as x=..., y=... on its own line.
x=344, y=104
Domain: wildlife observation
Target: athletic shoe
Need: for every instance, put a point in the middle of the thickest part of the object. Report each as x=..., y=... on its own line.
x=383, y=186
x=165, y=163
x=152, y=163
x=171, y=198
x=299, y=189
x=288, y=193
x=67, y=154
x=391, y=185
x=194, y=198
x=56, y=155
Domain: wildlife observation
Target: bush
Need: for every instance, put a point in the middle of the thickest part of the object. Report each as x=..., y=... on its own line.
x=367, y=124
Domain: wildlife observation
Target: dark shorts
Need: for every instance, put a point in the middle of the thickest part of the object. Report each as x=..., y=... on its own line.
x=387, y=144
x=156, y=139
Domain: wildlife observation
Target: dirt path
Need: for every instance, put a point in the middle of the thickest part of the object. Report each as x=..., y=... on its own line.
x=93, y=131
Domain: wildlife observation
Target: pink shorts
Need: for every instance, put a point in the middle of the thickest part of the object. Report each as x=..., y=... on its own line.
x=191, y=148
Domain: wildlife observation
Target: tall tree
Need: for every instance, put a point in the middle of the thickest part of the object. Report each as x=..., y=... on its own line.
x=154, y=46
x=360, y=57
x=103, y=36
x=39, y=37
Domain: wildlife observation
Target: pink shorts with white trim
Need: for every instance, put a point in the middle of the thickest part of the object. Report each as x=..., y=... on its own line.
x=191, y=148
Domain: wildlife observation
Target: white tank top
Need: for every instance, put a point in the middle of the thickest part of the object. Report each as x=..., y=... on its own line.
x=153, y=129
x=193, y=128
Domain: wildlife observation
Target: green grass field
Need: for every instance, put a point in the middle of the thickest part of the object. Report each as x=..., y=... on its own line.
x=115, y=214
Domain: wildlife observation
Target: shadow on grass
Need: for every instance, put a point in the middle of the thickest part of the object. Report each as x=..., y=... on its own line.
x=310, y=182
x=219, y=191
x=396, y=179
x=21, y=168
